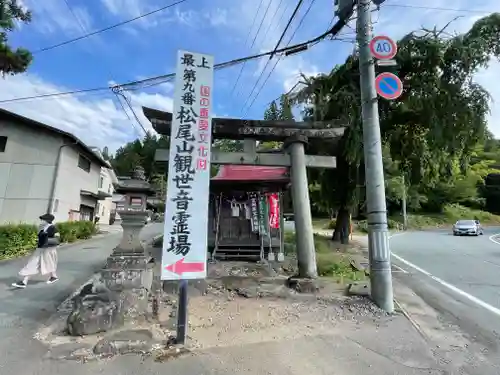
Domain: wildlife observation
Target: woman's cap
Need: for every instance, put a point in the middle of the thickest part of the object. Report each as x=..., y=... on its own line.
x=47, y=217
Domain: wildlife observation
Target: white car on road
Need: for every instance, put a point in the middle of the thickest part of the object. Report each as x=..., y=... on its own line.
x=467, y=228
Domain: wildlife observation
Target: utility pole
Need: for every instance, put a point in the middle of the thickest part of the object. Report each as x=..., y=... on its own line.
x=405, y=217
x=378, y=239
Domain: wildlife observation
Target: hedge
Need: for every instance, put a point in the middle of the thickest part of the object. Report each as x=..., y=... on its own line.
x=21, y=239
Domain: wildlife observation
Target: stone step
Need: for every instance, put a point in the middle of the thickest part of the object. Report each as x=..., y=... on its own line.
x=233, y=253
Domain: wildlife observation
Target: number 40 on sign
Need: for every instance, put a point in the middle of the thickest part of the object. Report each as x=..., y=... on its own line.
x=383, y=48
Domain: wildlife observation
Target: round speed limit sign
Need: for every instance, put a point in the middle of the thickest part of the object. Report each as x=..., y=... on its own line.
x=383, y=48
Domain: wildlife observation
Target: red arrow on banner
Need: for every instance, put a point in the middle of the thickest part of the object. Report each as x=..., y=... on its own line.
x=180, y=267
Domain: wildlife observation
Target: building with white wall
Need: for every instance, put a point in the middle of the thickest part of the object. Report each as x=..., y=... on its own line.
x=106, y=207
x=44, y=169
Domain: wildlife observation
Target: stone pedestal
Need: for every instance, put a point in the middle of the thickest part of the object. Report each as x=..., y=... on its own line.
x=132, y=224
x=129, y=270
x=123, y=289
x=130, y=278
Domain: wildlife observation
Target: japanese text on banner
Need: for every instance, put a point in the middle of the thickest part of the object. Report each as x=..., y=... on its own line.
x=190, y=159
x=274, y=211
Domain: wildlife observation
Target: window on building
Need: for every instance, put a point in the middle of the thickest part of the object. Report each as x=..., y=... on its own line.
x=109, y=189
x=103, y=210
x=83, y=163
x=101, y=182
x=3, y=143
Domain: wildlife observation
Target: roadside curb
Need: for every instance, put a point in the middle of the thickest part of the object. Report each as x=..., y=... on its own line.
x=401, y=306
x=399, y=288
x=78, y=242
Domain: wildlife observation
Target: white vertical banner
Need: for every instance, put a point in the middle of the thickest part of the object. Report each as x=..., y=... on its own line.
x=186, y=208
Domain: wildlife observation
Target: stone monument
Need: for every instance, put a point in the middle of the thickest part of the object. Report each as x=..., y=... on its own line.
x=126, y=280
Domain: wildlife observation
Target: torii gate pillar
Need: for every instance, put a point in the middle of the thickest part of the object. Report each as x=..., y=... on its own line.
x=304, y=234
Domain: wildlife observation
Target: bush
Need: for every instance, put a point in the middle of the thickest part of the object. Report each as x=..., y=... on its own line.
x=321, y=244
x=20, y=239
x=331, y=224
x=289, y=243
x=71, y=231
x=331, y=263
x=17, y=240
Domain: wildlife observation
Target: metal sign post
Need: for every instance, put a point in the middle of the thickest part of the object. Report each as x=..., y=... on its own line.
x=379, y=252
x=184, y=255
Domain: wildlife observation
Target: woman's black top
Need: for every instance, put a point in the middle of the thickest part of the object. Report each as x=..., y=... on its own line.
x=44, y=235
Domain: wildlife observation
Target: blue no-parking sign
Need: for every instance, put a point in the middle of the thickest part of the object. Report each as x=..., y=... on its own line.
x=388, y=86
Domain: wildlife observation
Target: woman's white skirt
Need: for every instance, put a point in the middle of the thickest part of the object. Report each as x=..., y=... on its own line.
x=42, y=261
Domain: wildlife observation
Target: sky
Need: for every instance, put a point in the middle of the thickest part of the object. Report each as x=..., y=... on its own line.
x=226, y=29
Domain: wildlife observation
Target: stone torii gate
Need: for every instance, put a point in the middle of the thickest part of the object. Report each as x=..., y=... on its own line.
x=294, y=135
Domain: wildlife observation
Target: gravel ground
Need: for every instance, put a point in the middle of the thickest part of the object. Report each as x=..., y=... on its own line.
x=225, y=319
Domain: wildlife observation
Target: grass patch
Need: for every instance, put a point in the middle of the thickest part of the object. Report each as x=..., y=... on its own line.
x=323, y=223
x=337, y=266
x=334, y=264
x=330, y=263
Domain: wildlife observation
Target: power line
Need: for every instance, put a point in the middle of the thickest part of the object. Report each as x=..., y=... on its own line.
x=122, y=106
x=168, y=77
x=292, y=17
x=287, y=5
x=84, y=29
x=299, y=46
x=248, y=38
x=273, y=16
x=119, y=92
x=108, y=28
x=437, y=8
x=267, y=62
x=278, y=60
x=54, y=94
x=271, y=24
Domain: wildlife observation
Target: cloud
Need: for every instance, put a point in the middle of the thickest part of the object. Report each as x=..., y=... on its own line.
x=488, y=78
x=53, y=17
x=96, y=118
x=219, y=26
x=128, y=9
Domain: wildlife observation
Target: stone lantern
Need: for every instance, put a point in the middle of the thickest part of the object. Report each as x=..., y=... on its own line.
x=125, y=282
x=133, y=211
x=129, y=270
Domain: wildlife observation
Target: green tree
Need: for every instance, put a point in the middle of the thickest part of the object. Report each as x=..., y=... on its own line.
x=12, y=61
x=285, y=111
x=140, y=152
x=272, y=113
x=105, y=153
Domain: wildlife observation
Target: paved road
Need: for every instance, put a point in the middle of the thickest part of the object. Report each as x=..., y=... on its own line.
x=403, y=352
x=459, y=276
x=22, y=311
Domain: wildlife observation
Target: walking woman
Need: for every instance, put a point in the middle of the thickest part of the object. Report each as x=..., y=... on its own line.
x=44, y=259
